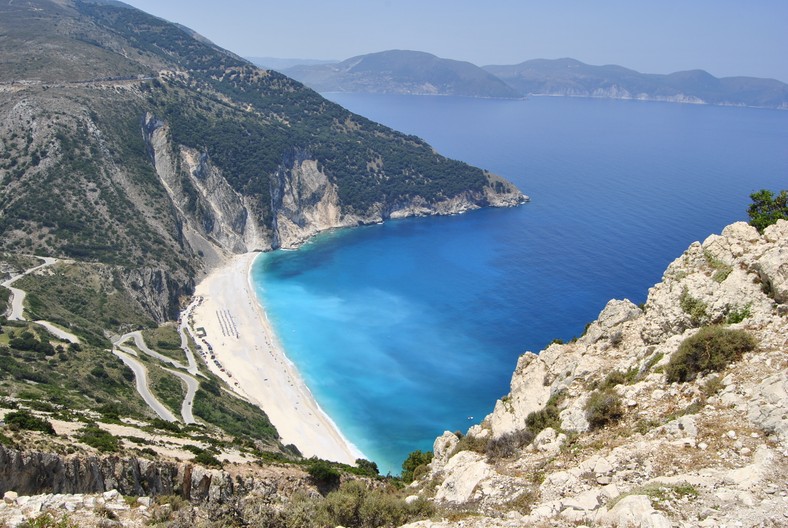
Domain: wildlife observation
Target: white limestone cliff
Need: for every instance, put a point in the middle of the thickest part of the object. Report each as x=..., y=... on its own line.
x=708, y=452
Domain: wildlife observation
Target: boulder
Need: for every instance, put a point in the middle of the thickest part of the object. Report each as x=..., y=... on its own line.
x=441, y=449
x=636, y=511
x=464, y=472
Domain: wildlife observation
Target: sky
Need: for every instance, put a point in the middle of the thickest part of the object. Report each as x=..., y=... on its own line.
x=723, y=37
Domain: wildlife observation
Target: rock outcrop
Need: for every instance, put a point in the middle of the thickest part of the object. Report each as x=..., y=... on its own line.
x=217, y=221
x=711, y=451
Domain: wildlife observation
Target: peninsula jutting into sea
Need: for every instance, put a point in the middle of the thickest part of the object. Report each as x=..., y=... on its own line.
x=227, y=300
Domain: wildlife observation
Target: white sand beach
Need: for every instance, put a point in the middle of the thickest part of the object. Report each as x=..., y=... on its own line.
x=244, y=345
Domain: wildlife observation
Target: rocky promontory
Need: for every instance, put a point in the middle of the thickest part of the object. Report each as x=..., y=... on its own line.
x=613, y=430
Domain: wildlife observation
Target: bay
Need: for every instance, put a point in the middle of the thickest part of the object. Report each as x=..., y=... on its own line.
x=413, y=327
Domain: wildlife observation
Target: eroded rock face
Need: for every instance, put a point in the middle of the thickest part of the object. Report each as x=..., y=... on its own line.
x=217, y=220
x=711, y=451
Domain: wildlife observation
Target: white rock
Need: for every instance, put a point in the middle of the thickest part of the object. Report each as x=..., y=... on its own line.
x=410, y=499
x=10, y=497
x=547, y=441
x=463, y=473
x=573, y=418
x=110, y=495
x=635, y=510
x=441, y=449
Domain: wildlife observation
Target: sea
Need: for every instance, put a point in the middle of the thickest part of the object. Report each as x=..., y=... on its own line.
x=413, y=327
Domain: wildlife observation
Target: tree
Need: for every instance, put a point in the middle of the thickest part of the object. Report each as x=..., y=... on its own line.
x=766, y=208
x=415, y=460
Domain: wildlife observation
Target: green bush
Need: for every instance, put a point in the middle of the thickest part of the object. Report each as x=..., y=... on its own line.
x=710, y=349
x=355, y=506
x=537, y=421
x=603, y=407
x=366, y=467
x=737, y=315
x=323, y=472
x=414, y=461
x=693, y=307
x=47, y=520
x=25, y=420
x=96, y=437
x=205, y=458
x=766, y=208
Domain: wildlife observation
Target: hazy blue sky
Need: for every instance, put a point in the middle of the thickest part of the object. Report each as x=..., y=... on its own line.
x=724, y=37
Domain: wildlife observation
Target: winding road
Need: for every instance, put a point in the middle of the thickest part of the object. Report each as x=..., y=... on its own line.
x=141, y=379
x=188, y=401
x=125, y=353
x=191, y=383
x=18, y=296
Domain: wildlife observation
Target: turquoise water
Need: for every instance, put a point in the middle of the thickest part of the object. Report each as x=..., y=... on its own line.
x=407, y=329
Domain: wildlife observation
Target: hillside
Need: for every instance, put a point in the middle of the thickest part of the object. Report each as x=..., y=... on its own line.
x=570, y=77
x=667, y=414
x=402, y=72
x=133, y=142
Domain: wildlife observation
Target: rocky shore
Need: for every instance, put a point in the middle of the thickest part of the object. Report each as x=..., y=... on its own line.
x=710, y=451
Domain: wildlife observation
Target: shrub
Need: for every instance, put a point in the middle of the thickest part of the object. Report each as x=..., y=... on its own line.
x=471, y=443
x=693, y=307
x=25, y=420
x=603, y=407
x=721, y=269
x=710, y=349
x=537, y=421
x=507, y=445
x=766, y=208
x=366, y=467
x=205, y=458
x=737, y=315
x=415, y=459
x=47, y=520
x=322, y=472
x=96, y=437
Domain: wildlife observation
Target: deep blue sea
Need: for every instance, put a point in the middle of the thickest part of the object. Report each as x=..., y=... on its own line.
x=407, y=329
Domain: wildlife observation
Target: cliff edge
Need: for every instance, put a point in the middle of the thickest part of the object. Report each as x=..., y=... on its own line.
x=625, y=427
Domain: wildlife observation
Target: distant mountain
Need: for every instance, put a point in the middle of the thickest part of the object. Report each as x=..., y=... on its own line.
x=402, y=72
x=278, y=64
x=573, y=78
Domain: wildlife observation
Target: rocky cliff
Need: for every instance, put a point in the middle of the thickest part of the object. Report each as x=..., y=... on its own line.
x=593, y=432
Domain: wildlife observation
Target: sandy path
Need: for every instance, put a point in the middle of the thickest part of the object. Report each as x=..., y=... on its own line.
x=239, y=345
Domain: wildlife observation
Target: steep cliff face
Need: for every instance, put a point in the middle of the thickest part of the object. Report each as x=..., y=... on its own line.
x=304, y=203
x=34, y=472
x=216, y=218
x=592, y=432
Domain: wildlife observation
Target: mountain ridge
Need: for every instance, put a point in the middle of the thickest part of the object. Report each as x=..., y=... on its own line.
x=402, y=71
x=573, y=78
x=419, y=73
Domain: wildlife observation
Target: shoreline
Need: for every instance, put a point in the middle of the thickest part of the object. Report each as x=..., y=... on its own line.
x=245, y=352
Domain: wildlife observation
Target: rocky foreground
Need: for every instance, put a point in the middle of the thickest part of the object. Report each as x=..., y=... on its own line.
x=712, y=451
x=611, y=429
